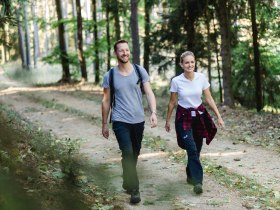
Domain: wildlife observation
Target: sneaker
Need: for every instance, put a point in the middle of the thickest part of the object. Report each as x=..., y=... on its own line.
x=198, y=189
x=135, y=197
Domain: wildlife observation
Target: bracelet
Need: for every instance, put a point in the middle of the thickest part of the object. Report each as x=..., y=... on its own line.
x=154, y=112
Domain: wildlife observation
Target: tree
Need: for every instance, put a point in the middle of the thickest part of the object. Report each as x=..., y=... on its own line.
x=135, y=32
x=96, y=63
x=115, y=11
x=62, y=45
x=74, y=13
x=46, y=50
x=107, y=8
x=147, y=40
x=223, y=11
x=35, y=33
x=21, y=40
x=6, y=17
x=258, y=73
x=27, y=37
x=80, y=42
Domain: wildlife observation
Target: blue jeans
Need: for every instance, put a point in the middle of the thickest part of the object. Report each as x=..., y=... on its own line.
x=129, y=137
x=193, y=145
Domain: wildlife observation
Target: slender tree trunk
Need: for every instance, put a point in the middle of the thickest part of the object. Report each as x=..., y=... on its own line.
x=190, y=27
x=258, y=73
x=147, y=50
x=65, y=16
x=35, y=34
x=27, y=38
x=80, y=42
x=96, y=48
x=46, y=27
x=115, y=7
x=21, y=41
x=88, y=33
x=135, y=32
x=218, y=62
x=62, y=45
x=223, y=15
x=108, y=35
x=208, y=45
x=74, y=13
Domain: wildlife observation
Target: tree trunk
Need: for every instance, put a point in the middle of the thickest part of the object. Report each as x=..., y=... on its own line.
x=35, y=34
x=46, y=50
x=74, y=13
x=208, y=45
x=147, y=50
x=96, y=48
x=218, y=62
x=21, y=41
x=115, y=10
x=223, y=16
x=135, y=32
x=80, y=42
x=258, y=73
x=108, y=35
x=27, y=38
x=88, y=38
x=65, y=13
x=62, y=45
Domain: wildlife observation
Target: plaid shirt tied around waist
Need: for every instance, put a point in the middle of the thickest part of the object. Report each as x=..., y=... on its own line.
x=205, y=126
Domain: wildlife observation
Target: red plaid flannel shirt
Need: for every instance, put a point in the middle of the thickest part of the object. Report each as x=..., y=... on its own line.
x=205, y=127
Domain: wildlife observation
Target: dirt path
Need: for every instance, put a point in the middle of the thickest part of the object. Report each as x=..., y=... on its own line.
x=239, y=158
x=163, y=184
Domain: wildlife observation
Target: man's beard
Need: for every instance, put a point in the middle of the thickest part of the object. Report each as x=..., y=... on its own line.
x=123, y=61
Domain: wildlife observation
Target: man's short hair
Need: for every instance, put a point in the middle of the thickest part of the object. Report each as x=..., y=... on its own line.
x=119, y=42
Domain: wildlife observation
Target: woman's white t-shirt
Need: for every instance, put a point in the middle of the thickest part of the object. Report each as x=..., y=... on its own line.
x=189, y=91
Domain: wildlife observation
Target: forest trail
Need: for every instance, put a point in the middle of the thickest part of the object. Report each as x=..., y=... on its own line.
x=162, y=180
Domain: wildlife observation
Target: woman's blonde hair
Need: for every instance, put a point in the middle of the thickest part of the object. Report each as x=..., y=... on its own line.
x=184, y=54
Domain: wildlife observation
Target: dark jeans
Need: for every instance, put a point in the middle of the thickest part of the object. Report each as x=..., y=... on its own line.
x=129, y=137
x=193, y=145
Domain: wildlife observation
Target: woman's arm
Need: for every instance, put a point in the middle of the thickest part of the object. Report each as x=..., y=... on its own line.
x=210, y=101
x=171, y=105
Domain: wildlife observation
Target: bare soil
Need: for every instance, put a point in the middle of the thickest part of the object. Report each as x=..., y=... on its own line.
x=162, y=180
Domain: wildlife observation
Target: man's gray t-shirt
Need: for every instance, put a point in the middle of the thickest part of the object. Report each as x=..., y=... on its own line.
x=128, y=97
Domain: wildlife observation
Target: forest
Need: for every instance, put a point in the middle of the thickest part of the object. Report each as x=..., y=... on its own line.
x=54, y=54
x=236, y=42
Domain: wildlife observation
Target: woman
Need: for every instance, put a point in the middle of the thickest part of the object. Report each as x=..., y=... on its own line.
x=193, y=123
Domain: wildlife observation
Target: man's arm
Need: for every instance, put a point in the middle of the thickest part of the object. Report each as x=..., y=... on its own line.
x=105, y=112
x=172, y=103
x=152, y=103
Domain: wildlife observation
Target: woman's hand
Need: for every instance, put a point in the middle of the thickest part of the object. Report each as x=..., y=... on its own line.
x=167, y=126
x=221, y=123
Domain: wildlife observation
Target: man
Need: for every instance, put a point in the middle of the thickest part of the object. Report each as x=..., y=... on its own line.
x=127, y=113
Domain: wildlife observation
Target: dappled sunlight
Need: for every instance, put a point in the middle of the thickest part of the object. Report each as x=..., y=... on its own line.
x=68, y=88
x=223, y=154
x=69, y=119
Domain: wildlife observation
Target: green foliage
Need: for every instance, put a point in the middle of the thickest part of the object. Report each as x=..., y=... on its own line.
x=154, y=143
x=263, y=196
x=244, y=75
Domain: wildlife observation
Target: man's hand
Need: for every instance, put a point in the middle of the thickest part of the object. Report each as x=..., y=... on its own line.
x=105, y=131
x=153, y=120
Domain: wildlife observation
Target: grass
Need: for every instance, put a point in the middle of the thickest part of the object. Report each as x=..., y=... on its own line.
x=55, y=160
x=258, y=196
